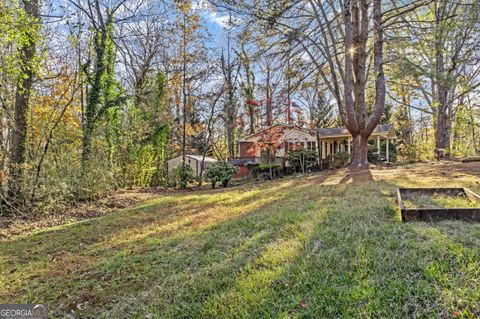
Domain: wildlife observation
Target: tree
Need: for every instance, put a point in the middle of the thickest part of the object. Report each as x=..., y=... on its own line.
x=231, y=70
x=321, y=109
x=336, y=39
x=144, y=47
x=27, y=65
x=194, y=69
x=102, y=92
x=248, y=89
x=210, y=122
x=444, y=60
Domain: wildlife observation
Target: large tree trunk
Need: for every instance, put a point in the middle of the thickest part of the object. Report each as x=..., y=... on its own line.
x=359, y=154
x=268, y=98
x=359, y=124
x=231, y=112
x=269, y=111
x=442, y=131
x=251, y=115
x=442, y=135
x=22, y=99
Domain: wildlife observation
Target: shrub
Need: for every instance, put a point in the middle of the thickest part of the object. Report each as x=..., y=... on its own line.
x=183, y=174
x=265, y=167
x=341, y=159
x=220, y=172
x=415, y=152
x=373, y=156
x=273, y=169
x=303, y=159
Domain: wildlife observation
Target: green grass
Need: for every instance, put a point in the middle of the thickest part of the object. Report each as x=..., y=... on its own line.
x=324, y=247
x=439, y=201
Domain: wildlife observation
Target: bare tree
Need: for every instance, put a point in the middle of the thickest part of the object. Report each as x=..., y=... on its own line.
x=336, y=37
x=445, y=59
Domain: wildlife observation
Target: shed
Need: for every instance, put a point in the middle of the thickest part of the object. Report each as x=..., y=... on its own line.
x=195, y=162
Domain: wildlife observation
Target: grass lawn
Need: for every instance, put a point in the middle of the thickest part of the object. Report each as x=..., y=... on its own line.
x=331, y=245
x=439, y=201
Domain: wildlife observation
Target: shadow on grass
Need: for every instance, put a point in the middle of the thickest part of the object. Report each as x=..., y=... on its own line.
x=250, y=253
x=361, y=262
x=91, y=264
x=360, y=176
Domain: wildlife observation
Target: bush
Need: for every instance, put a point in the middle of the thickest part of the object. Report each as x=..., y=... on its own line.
x=183, y=174
x=411, y=153
x=303, y=159
x=341, y=159
x=272, y=169
x=373, y=156
x=265, y=167
x=220, y=172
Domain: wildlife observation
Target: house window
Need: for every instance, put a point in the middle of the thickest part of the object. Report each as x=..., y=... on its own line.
x=266, y=153
x=311, y=145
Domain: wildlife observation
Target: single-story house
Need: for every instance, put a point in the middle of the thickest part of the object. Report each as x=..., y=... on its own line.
x=195, y=162
x=280, y=137
x=283, y=137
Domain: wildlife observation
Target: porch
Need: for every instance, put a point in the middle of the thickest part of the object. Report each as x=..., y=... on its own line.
x=338, y=140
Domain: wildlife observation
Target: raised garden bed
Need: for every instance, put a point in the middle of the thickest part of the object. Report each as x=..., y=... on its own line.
x=435, y=204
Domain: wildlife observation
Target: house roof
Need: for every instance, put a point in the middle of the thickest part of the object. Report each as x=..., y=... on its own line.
x=197, y=158
x=286, y=126
x=381, y=129
x=200, y=157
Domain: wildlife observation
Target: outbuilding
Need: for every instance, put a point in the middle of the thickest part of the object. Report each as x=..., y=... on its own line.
x=196, y=162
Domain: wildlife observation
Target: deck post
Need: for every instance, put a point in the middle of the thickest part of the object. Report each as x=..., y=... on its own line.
x=387, y=150
x=378, y=145
x=348, y=145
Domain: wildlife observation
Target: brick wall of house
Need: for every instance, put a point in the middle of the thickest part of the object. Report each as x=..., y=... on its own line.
x=247, y=149
x=243, y=171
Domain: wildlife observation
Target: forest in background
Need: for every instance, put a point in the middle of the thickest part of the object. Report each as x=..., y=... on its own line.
x=97, y=95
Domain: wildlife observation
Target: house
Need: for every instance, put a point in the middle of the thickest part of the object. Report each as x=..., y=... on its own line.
x=195, y=162
x=279, y=137
x=326, y=141
x=242, y=165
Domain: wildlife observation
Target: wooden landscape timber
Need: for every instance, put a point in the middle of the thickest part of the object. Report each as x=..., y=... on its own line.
x=431, y=214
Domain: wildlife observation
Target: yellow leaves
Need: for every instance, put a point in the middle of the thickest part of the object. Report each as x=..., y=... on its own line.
x=193, y=130
x=189, y=129
x=183, y=5
x=59, y=101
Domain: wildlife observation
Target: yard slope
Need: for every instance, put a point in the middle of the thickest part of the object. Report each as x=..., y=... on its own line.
x=331, y=245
